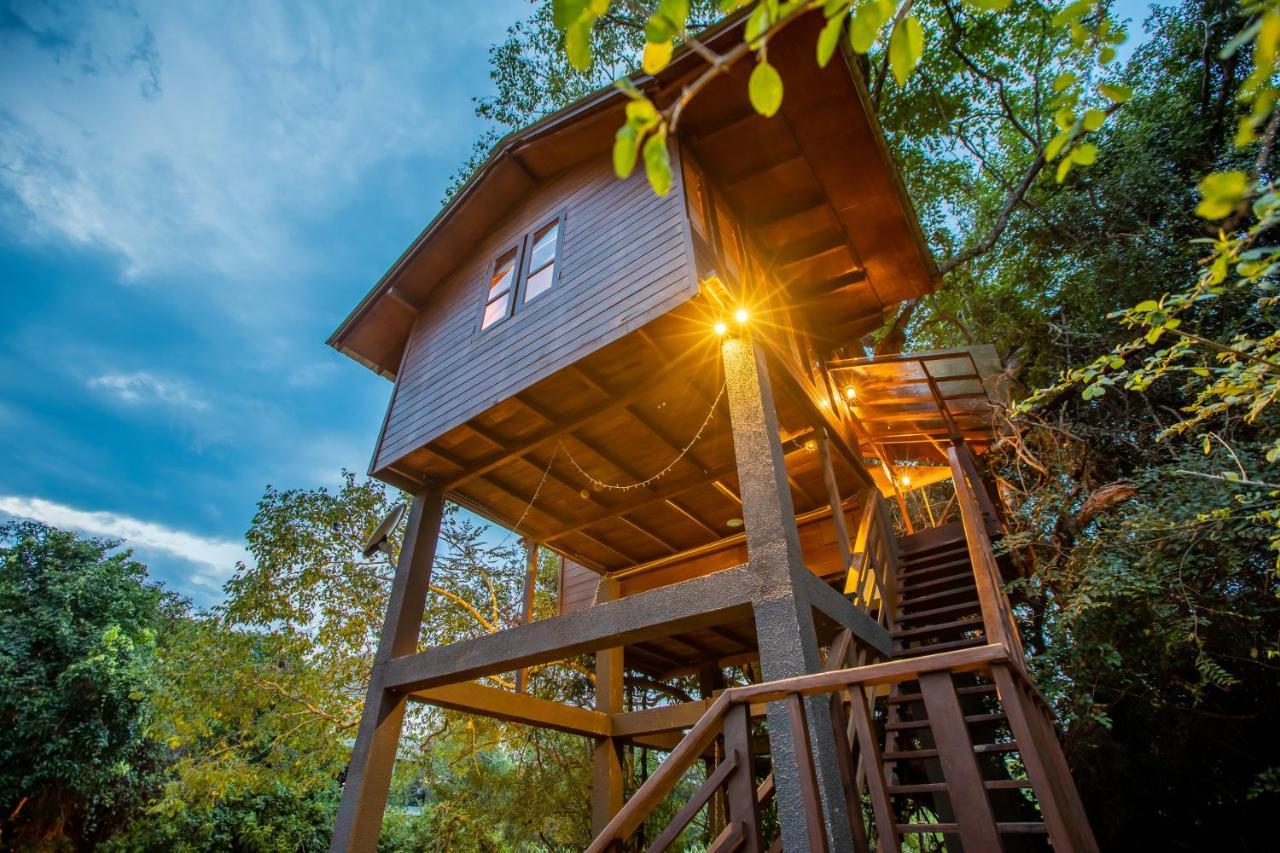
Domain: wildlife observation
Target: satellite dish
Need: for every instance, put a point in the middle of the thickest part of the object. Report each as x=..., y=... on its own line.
x=380, y=538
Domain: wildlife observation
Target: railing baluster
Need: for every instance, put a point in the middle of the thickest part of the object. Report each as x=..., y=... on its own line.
x=808, y=773
x=740, y=794
x=873, y=769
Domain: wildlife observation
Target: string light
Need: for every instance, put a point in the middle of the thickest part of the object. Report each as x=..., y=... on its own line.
x=626, y=487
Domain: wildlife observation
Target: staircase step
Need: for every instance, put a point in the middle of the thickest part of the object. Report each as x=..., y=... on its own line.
x=970, y=588
x=925, y=828
x=930, y=630
x=1007, y=784
x=1003, y=827
x=922, y=788
x=910, y=570
x=973, y=606
x=962, y=691
x=909, y=588
x=920, y=724
x=923, y=754
x=917, y=651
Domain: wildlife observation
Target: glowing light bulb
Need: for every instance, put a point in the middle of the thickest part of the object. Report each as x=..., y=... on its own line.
x=741, y=316
x=721, y=328
x=850, y=393
x=905, y=479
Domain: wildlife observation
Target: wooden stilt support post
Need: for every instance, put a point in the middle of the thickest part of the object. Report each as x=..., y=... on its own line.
x=784, y=616
x=364, y=793
x=606, y=760
x=530, y=585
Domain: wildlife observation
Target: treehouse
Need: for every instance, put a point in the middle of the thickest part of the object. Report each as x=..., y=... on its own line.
x=669, y=392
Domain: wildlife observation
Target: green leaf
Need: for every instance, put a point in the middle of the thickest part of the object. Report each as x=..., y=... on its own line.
x=566, y=12
x=1063, y=80
x=626, y=87
x=989, y=5
x=626, y=147
x=656, y=56
x=577, y=43
x=1148, y=305
x=642, y=114
x=832, y=8
x=866, y=25
x=657, y=162
x=1220, y=192
x=1085, y=154
x=757, y=23
x=1064, y=168
x=765, y=89
x=658, y=29
x=829, y=38
x=1093, y=119
x=1115, y=92
x=1107, y=55
x=1065, y=118
x=1054, y=147
x=1072, y=13
x=906, y=46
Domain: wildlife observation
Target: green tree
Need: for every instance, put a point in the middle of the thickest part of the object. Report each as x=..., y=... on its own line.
x=259, y=698
x=78, y=629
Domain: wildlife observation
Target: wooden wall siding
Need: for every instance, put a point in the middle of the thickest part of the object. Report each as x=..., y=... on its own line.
x=577, y=587
x=624, y=260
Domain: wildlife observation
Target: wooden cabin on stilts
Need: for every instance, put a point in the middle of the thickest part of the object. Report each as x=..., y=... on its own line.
x=669, y=392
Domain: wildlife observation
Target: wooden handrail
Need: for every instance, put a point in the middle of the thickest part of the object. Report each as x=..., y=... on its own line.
x=691, y=749
x=997, y=613
x=875, y=559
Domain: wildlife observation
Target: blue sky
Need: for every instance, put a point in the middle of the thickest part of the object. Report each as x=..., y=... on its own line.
x=192, y=196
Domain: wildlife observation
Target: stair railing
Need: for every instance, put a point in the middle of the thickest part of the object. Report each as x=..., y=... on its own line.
x=729, y=717
x=997, y=613
x=874, y=567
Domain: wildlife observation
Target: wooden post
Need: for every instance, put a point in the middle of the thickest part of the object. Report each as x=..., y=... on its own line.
x=368, y=780
x=606, y=760
x=710, y=682
x=530, y=585
x=965, y=788
x=741, y=786
x=785, y=629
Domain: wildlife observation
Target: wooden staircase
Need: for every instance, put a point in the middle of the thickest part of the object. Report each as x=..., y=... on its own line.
x=939, y=611
x=945, y=746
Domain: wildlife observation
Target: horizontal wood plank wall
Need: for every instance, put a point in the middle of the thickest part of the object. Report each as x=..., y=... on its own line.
x=577, y=586
x=624, y=261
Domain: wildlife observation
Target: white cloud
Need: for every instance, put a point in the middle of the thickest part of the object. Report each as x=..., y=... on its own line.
x=143, y=387
x=192, y=138
x=215, y=558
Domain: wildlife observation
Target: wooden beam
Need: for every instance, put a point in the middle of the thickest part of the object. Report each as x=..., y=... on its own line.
x=509, y=707
x=839, y=610
x=559, y=430
x=667, y=718
x=606, y=758
x=716, y=598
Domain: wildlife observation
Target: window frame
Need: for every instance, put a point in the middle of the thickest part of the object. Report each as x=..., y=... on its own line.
x=523, y=248
x=557, y=219
x=516, y=248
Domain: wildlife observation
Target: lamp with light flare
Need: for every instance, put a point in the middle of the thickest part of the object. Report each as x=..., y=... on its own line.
x=850, y=393
x=721, y=328
x=741, y=315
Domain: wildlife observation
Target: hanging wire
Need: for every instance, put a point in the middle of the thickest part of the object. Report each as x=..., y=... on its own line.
x=625, y=487
x=536, y=492
x=617, y=487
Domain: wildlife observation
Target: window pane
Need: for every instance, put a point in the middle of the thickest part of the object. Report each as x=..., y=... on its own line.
x=496, y=310
x=544, y=247
x=539, y=282
x=499, y=296
x=502, y=273
x=730, y=248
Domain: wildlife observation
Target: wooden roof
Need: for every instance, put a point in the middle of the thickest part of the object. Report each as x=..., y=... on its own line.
x=910, y=405
x=815, y=186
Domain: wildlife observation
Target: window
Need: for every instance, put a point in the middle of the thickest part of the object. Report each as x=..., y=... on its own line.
x=730, y=243
x=542, y=262
x=522, y=274
x=501, y=281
